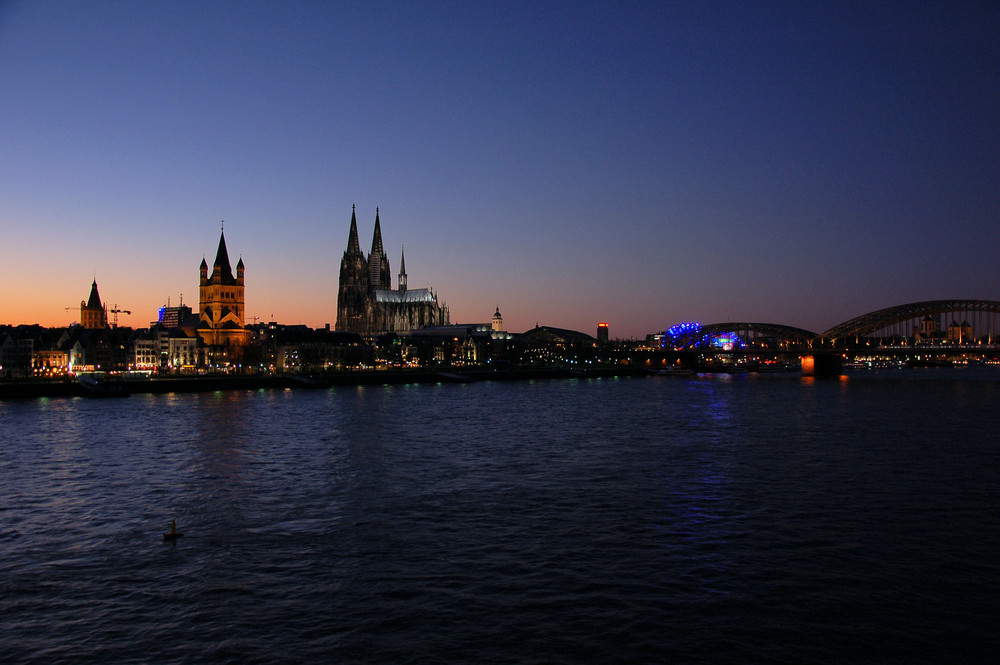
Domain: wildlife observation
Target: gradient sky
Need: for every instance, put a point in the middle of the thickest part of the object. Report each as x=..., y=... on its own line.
x=637, y=163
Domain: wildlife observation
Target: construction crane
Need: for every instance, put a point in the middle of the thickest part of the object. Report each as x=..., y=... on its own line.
x=114, y=310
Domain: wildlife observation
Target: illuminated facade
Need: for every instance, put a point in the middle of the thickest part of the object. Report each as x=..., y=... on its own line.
x=182, y=352
x=960, y=333
x=366, y=302
x=47, y=362
x=221, y=305
x=146, y=353
x=928, y=329
x=497, y=324
x=93, y=315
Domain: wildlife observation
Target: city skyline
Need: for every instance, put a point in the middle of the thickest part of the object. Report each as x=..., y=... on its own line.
x=570, y=162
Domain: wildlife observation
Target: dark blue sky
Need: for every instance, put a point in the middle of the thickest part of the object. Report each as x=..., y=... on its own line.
x=637, y=163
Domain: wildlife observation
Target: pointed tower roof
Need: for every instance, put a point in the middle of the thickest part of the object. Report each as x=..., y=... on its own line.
x=240, y=266
x=353, y=246
x=222, y=258
x=95, y=299
x=402, y=260
x=377, y=237
x=204, y=264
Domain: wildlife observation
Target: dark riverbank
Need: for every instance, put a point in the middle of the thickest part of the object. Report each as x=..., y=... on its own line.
x=71, y=388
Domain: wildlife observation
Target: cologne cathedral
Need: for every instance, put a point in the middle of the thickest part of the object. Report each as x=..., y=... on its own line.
x=368, y=305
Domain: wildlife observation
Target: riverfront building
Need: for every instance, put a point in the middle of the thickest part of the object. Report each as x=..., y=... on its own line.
x=366, y=302
x=221, y=304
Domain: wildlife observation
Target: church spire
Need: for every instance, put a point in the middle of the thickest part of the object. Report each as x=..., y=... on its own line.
x=222, y=259
x=377, y=237
x=353, y=246
x=95, y=299
x=402, y=271
x=93, y=315
x=378, y=263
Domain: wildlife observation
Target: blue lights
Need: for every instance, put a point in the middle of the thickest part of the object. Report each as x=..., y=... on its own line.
x=689, y=334
x=682, y=329
x=672, y=336
x=724, y=342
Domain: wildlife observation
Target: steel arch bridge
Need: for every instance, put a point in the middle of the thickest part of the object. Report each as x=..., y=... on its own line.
x=705, y=336
x=886, y=319
x=891, y=322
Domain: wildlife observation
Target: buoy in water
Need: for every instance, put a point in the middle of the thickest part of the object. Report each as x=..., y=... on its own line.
x=172, y=534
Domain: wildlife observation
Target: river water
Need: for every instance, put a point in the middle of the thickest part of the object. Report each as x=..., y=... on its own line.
x=724, y=519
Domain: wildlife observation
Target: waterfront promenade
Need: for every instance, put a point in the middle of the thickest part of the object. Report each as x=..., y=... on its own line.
x=210, y=383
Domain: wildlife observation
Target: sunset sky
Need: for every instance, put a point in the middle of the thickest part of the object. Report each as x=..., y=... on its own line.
x=641, y=163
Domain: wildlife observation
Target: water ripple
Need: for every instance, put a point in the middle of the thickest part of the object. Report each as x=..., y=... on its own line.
x=647, y=520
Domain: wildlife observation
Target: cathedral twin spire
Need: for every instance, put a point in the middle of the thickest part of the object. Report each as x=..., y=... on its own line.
x=366, y=301
x=377, y=237
x=353, y=246
x=378, y=262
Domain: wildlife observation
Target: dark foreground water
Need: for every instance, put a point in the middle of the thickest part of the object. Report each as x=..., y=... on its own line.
x=703, y=519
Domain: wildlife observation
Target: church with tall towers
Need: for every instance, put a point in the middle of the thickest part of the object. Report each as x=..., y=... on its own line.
x=221, y=303
x=366, y=302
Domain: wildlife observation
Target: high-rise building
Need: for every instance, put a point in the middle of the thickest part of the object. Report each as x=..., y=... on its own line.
x=366, y=302
x=602, y=333
x=173, y=317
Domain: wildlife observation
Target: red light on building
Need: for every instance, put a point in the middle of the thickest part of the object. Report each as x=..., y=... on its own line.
x=602, y=332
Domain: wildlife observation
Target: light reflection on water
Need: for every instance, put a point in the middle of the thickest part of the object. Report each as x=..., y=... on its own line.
x=745, y=519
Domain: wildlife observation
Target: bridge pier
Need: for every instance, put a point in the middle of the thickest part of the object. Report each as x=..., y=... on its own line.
x=821, y=364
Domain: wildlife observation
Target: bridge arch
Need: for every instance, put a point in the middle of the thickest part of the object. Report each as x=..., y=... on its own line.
x=901, y=320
